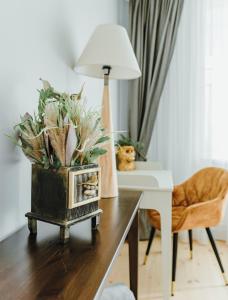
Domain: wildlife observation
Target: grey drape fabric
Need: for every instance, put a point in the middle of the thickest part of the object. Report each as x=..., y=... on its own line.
x=153, y=31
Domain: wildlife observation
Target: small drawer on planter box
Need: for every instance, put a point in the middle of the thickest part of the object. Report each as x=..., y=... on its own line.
x=84, y=187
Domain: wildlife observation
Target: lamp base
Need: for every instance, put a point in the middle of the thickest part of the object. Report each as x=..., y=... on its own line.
x=107, y=162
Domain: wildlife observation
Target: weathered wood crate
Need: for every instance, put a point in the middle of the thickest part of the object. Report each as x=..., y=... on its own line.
x=64, y=197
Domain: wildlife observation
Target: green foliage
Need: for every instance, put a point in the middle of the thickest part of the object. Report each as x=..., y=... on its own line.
x=62, y=132
x=45, y=95
x=102, y=139
x=92, y=155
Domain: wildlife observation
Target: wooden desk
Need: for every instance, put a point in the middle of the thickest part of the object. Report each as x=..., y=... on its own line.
x=40, y=268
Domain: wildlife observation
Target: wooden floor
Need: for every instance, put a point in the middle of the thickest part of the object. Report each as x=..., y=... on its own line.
x=197, y=279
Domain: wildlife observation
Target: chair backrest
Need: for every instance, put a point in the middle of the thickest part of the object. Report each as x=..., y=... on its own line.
x=206, y=184
x=148, y=165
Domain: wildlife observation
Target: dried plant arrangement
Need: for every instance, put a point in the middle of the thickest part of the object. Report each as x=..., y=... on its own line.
x=62, y=133
x=63, y=140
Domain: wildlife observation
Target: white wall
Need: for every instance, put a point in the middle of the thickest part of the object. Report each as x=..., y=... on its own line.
x=40, y=39
x=123, y=85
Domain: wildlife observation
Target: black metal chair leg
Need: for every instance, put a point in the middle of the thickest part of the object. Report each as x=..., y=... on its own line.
x=190, y=243
x=175, y=246
x=212, y=241
x=152, y=232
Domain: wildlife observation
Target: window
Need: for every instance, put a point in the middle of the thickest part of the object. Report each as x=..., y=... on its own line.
x=216, y=78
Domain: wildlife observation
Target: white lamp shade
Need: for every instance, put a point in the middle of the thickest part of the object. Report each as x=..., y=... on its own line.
x=109, y=45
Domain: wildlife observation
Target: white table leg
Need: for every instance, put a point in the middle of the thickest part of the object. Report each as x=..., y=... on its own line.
x=162, y=202
x=166, y=220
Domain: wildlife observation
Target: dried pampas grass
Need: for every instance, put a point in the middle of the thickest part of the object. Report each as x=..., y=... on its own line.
x=63, y=132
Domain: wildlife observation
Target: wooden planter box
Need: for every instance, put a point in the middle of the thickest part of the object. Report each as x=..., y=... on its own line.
x=64, y=197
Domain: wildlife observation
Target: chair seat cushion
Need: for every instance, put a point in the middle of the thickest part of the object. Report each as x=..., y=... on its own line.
x=198, y=202
x=200, y=215
x=178, y=212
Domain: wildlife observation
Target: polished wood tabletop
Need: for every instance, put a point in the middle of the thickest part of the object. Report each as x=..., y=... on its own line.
x=38, y=267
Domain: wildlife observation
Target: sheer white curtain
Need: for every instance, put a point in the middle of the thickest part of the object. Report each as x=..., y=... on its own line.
x=191, y=129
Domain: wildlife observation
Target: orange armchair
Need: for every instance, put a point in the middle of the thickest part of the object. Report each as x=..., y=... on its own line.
x=198, y=202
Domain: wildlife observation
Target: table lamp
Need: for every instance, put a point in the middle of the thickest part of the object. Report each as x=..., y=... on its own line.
x=108, y=55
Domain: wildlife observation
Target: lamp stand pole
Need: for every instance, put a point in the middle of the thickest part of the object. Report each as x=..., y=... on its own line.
x=107, y=162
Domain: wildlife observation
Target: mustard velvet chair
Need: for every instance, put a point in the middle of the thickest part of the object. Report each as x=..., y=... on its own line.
x=199, y=202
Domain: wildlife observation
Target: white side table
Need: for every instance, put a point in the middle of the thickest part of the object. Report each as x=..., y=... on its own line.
x=156, y=186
